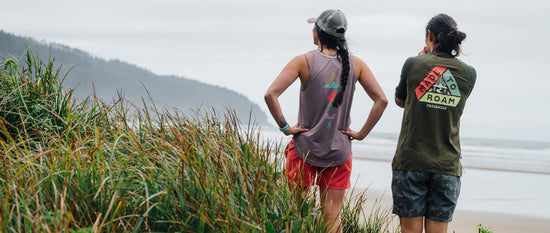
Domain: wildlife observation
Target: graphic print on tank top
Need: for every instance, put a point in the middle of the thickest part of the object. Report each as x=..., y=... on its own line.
x=332, y=82
x=438, y=89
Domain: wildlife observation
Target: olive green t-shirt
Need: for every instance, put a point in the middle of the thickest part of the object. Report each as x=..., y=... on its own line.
x=435, y=88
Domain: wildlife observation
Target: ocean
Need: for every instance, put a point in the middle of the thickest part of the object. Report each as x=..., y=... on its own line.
x=492, y=154
x=499, y=176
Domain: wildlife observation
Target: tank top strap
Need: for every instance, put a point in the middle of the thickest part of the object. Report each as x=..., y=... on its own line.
x=307, y=61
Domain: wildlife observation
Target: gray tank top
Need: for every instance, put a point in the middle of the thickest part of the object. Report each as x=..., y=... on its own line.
x=324, y=145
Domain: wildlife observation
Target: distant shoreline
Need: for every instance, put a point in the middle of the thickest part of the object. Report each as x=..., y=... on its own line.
x=469, y=167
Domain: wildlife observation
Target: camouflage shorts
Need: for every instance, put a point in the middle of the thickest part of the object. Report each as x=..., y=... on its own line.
x=425, y=194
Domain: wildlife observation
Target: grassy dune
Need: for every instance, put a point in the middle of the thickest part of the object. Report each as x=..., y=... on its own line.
x=90, y=166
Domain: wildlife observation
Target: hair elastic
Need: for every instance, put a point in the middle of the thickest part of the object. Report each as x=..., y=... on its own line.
x=285, y=128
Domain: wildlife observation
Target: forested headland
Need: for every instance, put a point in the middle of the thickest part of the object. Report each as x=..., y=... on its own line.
x=91, y=76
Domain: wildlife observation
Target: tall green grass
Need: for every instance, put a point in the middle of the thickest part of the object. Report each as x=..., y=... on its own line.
x=88, y=166
x=32, y=101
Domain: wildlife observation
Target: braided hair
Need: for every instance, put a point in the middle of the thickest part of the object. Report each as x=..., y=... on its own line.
x=447, y=38
x=339, y=44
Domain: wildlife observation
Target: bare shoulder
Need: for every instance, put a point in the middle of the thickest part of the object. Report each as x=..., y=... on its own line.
x=300, y=60
x=360, y=67
x=298, y=67
x=358, y=62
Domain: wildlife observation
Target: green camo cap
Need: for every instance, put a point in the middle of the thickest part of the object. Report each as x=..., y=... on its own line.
x=333, y=22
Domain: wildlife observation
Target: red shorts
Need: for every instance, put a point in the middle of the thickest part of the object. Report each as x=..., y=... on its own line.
x=303, y=174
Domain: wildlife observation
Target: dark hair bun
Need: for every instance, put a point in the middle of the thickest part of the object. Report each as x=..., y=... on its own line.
x=447, y=37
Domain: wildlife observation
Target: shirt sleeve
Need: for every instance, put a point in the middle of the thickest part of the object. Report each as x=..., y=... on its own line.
x=401, y=89
x=473, y=76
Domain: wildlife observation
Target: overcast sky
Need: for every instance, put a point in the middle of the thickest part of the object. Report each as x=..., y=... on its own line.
x=242, y=45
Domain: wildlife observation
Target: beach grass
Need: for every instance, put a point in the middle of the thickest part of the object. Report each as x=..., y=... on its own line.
x=484, y=229
x=72, y=165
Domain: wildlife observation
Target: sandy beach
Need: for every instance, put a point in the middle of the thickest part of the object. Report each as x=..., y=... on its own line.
x=465, y=221
x=506, y=201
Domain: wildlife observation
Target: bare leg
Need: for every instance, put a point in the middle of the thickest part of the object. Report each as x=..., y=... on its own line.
x=412, y=225
x=435, y=226
x=332, y=201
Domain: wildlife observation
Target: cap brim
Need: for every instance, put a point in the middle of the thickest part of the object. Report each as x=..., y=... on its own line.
x=312, y=20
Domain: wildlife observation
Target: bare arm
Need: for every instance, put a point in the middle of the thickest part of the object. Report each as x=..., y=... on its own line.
x=375, y=92
x=289, y=74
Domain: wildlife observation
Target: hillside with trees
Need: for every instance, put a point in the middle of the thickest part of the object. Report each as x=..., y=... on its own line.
x=110, y=79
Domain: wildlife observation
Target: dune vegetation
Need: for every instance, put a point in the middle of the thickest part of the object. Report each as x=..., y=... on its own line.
x=71, y=165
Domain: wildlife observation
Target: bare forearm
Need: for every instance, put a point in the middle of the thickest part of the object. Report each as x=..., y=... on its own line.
x=374, y=116
x=275, y=110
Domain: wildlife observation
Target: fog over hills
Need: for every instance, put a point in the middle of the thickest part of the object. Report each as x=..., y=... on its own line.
x=109, y=78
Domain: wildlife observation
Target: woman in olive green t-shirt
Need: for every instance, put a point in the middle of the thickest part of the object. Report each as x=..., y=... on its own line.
x=433, y=90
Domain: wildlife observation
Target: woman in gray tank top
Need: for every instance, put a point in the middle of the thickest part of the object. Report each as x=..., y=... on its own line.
x=320, y=150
